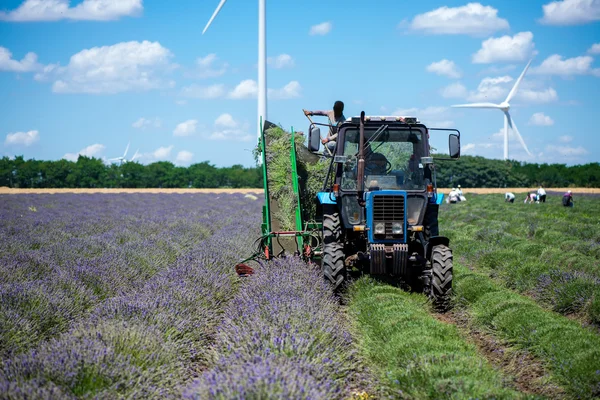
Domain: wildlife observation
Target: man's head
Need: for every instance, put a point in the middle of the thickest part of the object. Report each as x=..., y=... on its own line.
x=338, y=108
x=376, y=163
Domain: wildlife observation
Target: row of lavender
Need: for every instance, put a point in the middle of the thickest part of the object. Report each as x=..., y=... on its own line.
x=134, y=296
x=283, y=336
x=114, y=295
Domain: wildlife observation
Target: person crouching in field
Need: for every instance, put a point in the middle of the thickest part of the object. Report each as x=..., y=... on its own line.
x=568, y=199
x=531, y=197
x=508, y=196
x=541, y=193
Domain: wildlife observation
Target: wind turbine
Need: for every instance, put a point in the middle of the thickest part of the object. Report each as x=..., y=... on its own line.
x=122, y=158
x=505, y=106
x=262, y=58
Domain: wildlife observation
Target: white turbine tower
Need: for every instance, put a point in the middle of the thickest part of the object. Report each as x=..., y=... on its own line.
x=505, y=106
x=262, y=58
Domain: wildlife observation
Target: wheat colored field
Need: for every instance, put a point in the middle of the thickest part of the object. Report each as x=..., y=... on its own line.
x=7, y=190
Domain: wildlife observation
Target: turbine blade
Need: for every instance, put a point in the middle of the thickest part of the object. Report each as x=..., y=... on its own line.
x=126, y=149
x=477, y=105
x=513, y=91
x=214, y=15
x=514, y=128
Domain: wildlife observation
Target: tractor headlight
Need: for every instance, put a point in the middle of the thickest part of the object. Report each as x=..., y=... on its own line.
x=380, y=228
x=397, y=228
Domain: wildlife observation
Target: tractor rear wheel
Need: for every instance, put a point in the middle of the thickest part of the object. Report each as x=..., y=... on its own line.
x=334, y=270
x=441, y=276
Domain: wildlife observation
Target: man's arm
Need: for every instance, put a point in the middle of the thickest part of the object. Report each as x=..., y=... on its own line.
x=319, y=113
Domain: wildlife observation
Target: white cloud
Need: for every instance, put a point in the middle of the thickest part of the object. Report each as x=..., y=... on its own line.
x=595, y=49
x=320, y=29
x=144, y=123
x=184, y=157
x=555, y=65
x=565, y=139
x=186, y=128
x=204, y=92
x=537, y=96
x=207, y=69
x=454, y=90
x=281, y=61
x=248, y=89
x=571, y=12
x=22, y=138
x=227, y=128
x=226, y=120
x=27, y=64
x=434, y=117
x=467, y=148
x=54, y=10
x=90, y=151
x=289, y=91
x=118, y=68
x=491, y=89
x=566, y=151
x=162, y=152
x=444, y=67
x=541, y=119
x=506, y=48
x=471, y=19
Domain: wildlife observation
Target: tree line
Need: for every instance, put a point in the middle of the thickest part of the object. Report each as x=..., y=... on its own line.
x=90, y=172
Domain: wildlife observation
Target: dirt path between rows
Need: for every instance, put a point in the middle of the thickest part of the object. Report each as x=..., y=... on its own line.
x=525, y=372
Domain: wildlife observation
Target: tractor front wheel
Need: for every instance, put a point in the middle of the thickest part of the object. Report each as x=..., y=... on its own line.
x=333, y=266
x=441, y=277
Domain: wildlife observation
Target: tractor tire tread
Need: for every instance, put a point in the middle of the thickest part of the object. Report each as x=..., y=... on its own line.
x=441, y=279
x=333, y=263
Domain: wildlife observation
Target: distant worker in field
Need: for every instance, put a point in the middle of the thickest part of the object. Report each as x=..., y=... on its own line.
x=541, y=193
x=508, y=196
x=568, y=199
x=530, y=197
x=336, y=117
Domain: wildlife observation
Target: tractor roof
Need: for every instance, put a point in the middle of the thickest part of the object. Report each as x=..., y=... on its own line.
x=390, y=118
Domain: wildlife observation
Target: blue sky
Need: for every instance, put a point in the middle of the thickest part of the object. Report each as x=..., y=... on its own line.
x=87, y=77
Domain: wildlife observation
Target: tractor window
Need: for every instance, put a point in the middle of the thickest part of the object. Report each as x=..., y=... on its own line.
x=391, y=159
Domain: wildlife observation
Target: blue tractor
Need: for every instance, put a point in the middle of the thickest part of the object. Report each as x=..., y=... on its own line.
x=380, y=211
x=377, y=212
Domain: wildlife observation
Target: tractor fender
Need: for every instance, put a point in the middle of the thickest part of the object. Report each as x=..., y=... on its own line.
x=434, y=241
x=326, y=198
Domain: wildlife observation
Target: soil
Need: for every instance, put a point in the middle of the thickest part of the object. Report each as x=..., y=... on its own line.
x=525, y=372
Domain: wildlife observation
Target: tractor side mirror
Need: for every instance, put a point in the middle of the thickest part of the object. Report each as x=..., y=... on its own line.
x=314, y=138
x=454, y=146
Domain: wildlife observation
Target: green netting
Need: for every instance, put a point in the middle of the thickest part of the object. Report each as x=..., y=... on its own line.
x=312, y=170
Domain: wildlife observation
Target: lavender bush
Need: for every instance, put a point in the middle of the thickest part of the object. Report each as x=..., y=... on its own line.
x=282, y=337
x=127, y=312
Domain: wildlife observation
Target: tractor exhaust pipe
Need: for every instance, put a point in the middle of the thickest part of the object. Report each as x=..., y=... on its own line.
x=361, y=159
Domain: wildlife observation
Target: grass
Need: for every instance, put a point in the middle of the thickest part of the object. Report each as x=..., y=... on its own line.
x=546, y=251
x=571, y=352
x=416, y=355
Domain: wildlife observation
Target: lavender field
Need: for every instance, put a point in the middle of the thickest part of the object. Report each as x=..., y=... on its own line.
x=135, y=296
